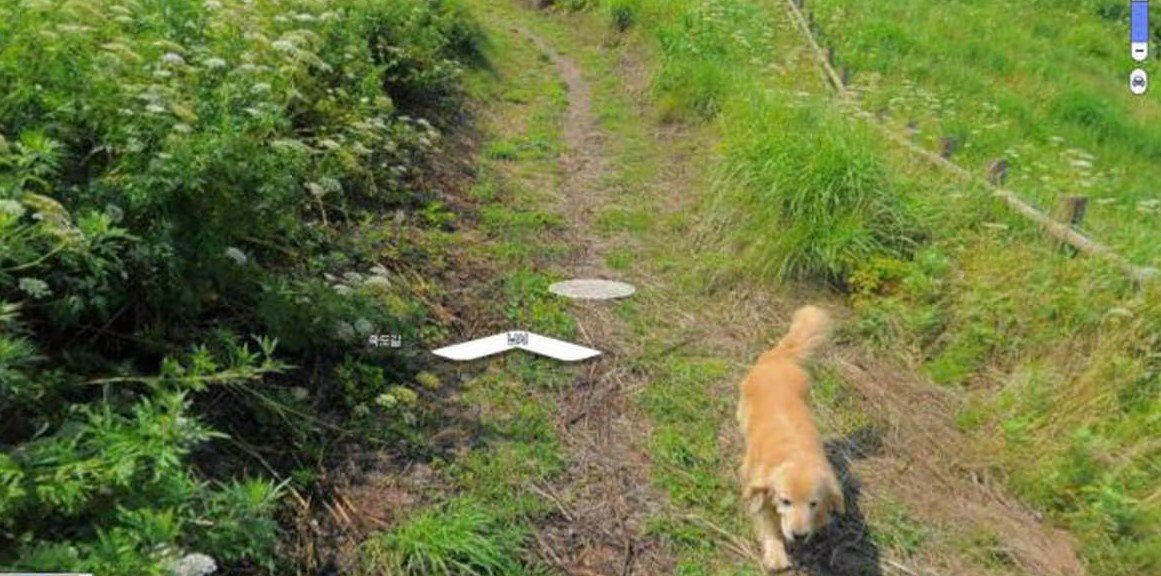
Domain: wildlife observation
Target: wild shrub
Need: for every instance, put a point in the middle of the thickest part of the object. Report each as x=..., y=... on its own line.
x=213, y=130
x=176, y=177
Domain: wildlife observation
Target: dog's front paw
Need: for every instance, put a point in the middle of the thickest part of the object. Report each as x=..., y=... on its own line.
x=775, y=560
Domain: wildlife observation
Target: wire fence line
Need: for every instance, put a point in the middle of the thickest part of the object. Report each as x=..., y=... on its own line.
x=1065, y=232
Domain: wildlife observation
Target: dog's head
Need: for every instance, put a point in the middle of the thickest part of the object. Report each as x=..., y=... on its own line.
x=805, y=498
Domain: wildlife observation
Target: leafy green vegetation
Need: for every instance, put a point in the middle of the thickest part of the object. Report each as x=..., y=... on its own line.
x=184, y=185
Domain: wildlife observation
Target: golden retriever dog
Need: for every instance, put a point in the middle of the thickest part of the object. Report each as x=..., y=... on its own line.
x=788, y=486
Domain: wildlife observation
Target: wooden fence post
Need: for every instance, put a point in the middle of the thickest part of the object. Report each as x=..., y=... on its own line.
x=998, y=171
x=1071, y=211
x=947, y=146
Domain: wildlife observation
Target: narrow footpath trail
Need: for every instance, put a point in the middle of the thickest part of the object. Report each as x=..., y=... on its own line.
x=606, y=497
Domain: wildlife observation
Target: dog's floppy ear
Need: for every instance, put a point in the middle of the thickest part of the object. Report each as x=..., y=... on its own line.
x=834, y=488
x=754, y=496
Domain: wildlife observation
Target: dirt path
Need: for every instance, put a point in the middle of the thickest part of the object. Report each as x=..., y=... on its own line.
x=606, y=497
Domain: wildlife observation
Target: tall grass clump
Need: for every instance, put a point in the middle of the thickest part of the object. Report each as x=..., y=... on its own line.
x=184, y=184
x=803, y=194
x=459, y=539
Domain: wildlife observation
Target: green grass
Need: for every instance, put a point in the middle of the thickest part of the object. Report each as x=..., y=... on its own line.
x=898, y=529
x=805, y=193
x=460, y=539
x=619, y=260
x=689, y=464
x=617, y=219
x=1041, y=83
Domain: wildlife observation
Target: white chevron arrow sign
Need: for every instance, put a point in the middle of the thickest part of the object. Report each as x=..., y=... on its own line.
x=505, y=341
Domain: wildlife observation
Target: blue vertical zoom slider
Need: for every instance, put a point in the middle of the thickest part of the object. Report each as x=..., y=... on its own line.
x=1139, y=21
x=1139, y=30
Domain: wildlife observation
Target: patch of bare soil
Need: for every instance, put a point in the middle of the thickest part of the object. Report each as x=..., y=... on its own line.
x=922, y=460
x=605, y=497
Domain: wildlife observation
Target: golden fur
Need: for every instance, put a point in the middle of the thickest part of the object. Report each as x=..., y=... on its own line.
x=788, y=486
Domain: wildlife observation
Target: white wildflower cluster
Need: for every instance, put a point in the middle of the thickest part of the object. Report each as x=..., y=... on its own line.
x=11, y=208
x=1079, y=160
x=173, y=59
x=248, y=68
x=377, y=280
x=285, y=46
x=194, y=564
x=397, y=396
x=34, y=287
x=155, y=99
x=238, y=256
x=326, y=185
x=1081, y=167
x=360, y=329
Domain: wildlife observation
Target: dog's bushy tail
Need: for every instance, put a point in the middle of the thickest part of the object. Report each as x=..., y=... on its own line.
x=809, y=330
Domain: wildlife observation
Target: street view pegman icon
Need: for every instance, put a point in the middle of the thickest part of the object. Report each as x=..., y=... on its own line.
x=1138, y=82
x=505, y=341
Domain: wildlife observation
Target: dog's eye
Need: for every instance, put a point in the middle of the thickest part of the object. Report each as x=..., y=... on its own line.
x=785, y=502
x=814, y=503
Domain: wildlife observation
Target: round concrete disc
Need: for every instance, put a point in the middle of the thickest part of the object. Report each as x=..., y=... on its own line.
x=592, y=289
